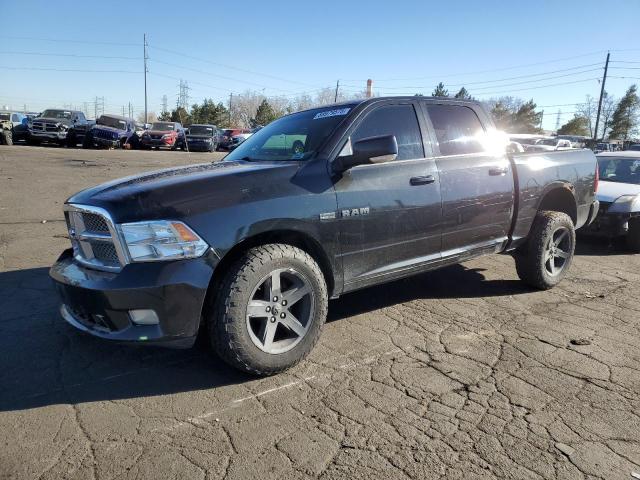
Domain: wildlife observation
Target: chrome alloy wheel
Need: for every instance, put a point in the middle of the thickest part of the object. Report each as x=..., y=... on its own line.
x=280, y=311
x=557, y=251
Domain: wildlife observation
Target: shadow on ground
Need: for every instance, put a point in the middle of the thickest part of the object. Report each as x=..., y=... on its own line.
x=44, y=361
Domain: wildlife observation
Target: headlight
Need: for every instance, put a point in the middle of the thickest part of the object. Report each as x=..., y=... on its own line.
x=161, y=240
x=625, y=204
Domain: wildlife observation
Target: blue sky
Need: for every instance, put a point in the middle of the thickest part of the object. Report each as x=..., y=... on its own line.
x=287, y=47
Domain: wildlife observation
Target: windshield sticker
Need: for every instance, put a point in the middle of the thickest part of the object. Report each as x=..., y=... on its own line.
x=297, y=156
x=332, y=113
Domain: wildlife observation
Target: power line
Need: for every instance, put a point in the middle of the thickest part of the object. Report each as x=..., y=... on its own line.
x=76, y=70
x=72, y=55
x=59, y=40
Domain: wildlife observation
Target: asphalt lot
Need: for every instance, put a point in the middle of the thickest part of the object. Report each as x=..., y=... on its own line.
x=462, y=373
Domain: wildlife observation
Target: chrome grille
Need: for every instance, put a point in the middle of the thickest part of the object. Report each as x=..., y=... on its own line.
x=94, y=238
x=95, y=223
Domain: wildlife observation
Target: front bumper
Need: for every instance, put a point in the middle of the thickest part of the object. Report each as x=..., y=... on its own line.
x=52, y=136
x=610, y=224
x=103, y=142
x=195, y=145
x=99, y=303
x=153, y=142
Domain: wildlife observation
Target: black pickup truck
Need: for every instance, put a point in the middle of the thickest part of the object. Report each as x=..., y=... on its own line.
x=64, y=127
x=318, y=203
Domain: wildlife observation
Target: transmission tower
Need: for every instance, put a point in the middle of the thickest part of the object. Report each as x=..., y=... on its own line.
x=164, y=104
x=183, y=96
x=558, y=119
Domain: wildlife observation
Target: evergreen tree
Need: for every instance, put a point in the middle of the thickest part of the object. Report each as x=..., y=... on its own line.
x=578, y=125
x=502, y=116
x=624, y=122
x=181, y=115
x=210, y=113
x=463, y=94
x=264, y=115
x=525, y=119
x=165, y=116
x=440, y=91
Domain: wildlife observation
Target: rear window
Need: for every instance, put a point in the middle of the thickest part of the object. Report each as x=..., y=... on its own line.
x=457, y=129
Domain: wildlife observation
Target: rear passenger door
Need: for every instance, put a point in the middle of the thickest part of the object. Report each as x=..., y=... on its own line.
x=389, y=213
x=476, y=180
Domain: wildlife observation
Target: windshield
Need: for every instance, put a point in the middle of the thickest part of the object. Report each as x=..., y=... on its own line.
x=621, y=170
x=294, y=137
x=112, y=122
x=162, y=126
x=4, y=116
x=56, y=114
x=201, y=130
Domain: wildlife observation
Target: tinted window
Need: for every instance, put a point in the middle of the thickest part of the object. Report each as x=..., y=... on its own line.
x=398, y=120
x=457, y=128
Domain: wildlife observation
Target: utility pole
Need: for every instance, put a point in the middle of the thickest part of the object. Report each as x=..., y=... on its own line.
x=558, y=120
x=130, y=111
x=95, y=108
x=123, y=110
x=146, y=117
x=230, y=100
x=337, y=87
x=541, y=117
x=164, y=104
x=604, y=80
x=369, y=88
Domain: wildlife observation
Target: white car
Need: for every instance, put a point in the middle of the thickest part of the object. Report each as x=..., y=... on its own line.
x=550, y=144
x=619, y=196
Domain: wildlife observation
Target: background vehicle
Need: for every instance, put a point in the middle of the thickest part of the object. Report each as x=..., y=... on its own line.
x=6, y=132
x=164, y=134
x=577, y=141
x=635, y=147
x=202, y=137
x=549, y=144
x=236, y=140
x=226, y=140
x=526, y=139
x=19, y=124
x=112, y=131
x=314, y=205
x=53, y=125
x=619, y=196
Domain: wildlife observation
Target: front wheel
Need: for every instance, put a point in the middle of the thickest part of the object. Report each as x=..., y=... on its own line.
x=6, y=137
x=546, y=257
x=633, y=235
x=269, y=310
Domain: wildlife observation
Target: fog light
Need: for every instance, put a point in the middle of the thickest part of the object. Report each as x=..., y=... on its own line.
x=143, y=317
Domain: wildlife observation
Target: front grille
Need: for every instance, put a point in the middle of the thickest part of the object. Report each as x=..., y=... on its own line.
x=156, y=137
x=93, y=237
x=95, y=223
x=104, y=134
x=105, y=252
x=44, y=127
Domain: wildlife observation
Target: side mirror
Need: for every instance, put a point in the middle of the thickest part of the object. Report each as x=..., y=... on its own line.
x=370, y=150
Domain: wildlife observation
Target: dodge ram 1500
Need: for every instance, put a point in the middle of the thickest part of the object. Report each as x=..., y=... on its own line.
x=249, y=250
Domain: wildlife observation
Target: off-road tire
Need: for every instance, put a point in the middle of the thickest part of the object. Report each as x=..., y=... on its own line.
x=633, y=235
x=530, y=263
x=6, y=137
x=227, y=326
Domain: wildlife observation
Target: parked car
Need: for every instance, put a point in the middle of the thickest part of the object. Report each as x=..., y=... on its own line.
x=19, y=124
x=526, y=139
x=577, y=141
x=252, y=248
x=619, y=196
x=635, y=147
x=164, y=134
x=112, y=131
x=549, y=144
x=236, y=140
x=202, y=137
x=226, y=140
x=53, y=125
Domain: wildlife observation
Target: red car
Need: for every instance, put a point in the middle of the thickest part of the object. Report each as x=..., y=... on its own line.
x=164, y=134
x=227, y=137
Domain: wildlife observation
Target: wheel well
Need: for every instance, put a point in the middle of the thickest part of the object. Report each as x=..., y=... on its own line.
x=297, y=239
x=560, y=200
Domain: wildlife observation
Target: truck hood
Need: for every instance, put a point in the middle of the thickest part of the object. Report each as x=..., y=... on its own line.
x=160, y=132
x=107, y=129
x=63, y=121
x=610, y=191
x=178, y=193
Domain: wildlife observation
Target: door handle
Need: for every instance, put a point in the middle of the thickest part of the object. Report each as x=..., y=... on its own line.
x=422, y=180
x=496, y=171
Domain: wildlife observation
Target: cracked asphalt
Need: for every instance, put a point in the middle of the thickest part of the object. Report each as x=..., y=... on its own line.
x=462, y=373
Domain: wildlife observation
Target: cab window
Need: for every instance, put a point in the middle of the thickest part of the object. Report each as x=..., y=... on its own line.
x=457, y=128
x=398, y=120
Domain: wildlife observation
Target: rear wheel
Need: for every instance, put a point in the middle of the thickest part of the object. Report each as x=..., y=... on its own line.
x=545, y=259
x=270, y=309
x=633, y=235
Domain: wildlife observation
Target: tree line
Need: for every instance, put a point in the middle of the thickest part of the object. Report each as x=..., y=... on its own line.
x=619, y=118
